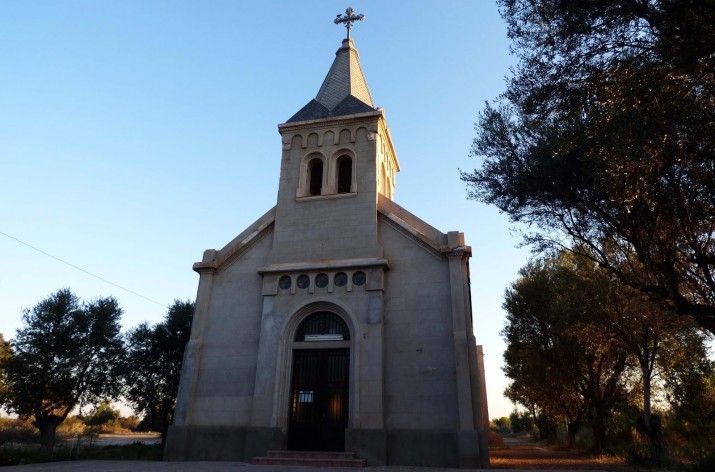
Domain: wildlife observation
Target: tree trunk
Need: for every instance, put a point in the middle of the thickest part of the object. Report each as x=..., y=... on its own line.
x=48, y=428
x=655, y=432
x=571, y=430
x=646, y=400
x=599, y=435
x=652, y=424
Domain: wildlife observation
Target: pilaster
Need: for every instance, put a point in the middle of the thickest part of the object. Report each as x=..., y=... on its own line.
x=192, y=352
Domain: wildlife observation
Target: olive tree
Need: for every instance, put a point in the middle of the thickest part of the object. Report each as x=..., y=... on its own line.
x=67, y=353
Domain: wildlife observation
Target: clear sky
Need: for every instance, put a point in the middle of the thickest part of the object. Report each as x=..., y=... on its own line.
x=135, y=134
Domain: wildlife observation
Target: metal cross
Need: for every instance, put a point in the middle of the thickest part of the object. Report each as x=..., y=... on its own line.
x=348, y=19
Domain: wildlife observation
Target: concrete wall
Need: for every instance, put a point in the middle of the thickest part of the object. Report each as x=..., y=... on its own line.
x=227, y=363
x=419, y=354
x=331, y=226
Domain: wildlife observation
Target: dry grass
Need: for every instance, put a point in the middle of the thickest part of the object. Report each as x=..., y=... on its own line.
x=522, y=455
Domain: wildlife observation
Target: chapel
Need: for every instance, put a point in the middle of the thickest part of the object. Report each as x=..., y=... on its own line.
x=338, y=321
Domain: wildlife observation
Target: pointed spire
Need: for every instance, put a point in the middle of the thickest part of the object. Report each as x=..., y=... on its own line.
x=344, y=90
x=344, y=78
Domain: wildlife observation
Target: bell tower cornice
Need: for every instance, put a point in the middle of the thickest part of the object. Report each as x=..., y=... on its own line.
x=374, y=122
x=333, y=121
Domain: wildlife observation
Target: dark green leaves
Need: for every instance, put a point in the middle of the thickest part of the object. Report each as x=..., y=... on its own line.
x=605, y=140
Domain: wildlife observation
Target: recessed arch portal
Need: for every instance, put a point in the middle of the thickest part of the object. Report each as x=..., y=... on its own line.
x=316, y=388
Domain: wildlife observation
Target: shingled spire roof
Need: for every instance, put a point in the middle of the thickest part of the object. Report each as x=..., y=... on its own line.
x=344, y=90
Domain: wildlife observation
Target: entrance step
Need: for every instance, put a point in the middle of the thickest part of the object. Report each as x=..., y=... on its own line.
x=310, y=459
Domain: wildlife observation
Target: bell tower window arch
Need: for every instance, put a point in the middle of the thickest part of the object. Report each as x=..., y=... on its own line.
x=312, y=175
x=344, y=177
x=315, y=176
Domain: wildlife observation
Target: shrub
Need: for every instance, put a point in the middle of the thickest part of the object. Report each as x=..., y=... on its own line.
x=73, y=425
x=130, y=423
x=501, y=425
x=14, y=430
x=521, y=422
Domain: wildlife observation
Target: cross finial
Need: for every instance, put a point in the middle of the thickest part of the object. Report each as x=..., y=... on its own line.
x=349, y=19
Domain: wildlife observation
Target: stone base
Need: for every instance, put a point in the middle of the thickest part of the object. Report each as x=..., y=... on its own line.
x=465, y=449
x=423, y=448
x=483, y=448
x=369, y=444
x=435, y=449
x=220, y=443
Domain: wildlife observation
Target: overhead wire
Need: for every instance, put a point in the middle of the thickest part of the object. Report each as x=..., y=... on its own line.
x=82, y=270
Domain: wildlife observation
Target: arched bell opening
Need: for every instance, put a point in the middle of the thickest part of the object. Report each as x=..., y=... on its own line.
x=315, y=176
x=345, y=174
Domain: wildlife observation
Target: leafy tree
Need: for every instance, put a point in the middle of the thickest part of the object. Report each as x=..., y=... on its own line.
x=521, y=421
x=501, y=425
x=604, y=141
x=67, y=353
x=568, y=318
x=102, y=414
x=691, y=394
x=557, y=350
x=5, y=353
x=154, y=358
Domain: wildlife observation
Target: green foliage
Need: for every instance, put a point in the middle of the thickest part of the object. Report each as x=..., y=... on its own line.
x=581, y=345
x=5, y=353
x=67, y=353
x=578, y=338
x=130, y=423
x=521, y=422
x=102, y=414
x=154, y=358
x=16, y=454
x=562, y=363
x=604, y=141
x=547, y=427
x=502, y=422
x=501, y=425
x=691, y=423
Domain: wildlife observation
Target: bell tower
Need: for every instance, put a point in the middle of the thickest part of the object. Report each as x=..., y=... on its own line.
x=337, y=158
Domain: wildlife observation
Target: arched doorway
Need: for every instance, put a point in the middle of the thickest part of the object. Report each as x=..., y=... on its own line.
x=320, y=384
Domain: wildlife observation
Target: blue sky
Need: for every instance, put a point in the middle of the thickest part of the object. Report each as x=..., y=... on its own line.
x=135, y=134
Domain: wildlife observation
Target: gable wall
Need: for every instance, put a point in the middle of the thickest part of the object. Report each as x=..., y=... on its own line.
x=420, y=382
x=230, y=341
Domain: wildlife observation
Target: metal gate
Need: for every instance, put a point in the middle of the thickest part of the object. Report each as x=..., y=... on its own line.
x=319, y=403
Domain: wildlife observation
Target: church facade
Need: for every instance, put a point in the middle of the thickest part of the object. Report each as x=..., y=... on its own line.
x=339, y=320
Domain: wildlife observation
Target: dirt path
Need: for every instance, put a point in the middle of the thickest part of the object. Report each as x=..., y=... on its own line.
x=519, y=454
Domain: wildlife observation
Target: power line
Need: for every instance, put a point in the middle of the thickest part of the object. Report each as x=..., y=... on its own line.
x=82, y=270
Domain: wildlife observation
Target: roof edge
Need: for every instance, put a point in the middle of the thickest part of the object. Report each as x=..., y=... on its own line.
x=332, y=119
x=214, y=260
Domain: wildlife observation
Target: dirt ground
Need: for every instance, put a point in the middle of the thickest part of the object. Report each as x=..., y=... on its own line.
x=518, y=454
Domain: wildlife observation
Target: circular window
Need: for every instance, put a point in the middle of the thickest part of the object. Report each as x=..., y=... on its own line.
x=321, y=280
x=341, y=279
x=303, y=281
x=284, y=282
x=359, y=278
